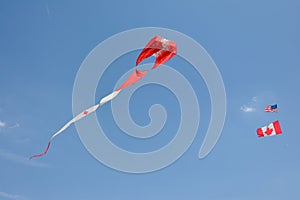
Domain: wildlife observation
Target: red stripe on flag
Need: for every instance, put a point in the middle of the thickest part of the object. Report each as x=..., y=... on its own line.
x=260, y=132
x=277, y=127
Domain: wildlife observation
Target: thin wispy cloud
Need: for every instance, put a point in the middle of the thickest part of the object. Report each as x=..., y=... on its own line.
x=250, y=106
x=17, y=125
x=247, y=109
x=5, y=127
x=48, y=10
x=23, y=140
x=8, y=196
x=2, y=124
x=254, y=99
x=20, y=159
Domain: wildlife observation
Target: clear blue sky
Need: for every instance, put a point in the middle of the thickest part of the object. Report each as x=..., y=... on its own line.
x=255, y=45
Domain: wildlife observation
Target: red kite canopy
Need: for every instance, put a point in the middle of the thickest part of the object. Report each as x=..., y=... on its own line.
x=159, y=47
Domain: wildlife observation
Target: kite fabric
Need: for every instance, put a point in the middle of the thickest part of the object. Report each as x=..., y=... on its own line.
x=134, y=77
x=162, y=48
x=271, y=108
x=159, y=47
x=269, y=130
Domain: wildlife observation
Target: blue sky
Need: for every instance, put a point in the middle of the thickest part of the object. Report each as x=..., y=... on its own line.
x=255, y=45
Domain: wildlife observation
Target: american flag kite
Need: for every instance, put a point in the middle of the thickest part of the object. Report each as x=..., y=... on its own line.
x=269, y=130
x=271, y=108
x=159, y=47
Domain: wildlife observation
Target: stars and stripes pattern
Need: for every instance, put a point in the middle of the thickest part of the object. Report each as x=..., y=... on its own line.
x=271, y=108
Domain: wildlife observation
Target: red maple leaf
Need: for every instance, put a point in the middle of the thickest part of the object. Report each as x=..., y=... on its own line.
x=269, y=131
x=85, y=112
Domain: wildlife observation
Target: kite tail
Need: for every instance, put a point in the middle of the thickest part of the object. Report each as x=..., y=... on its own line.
x=39, y=155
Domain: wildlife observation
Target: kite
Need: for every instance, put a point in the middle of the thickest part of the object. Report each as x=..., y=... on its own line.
x=160, y=47
x=269, y=130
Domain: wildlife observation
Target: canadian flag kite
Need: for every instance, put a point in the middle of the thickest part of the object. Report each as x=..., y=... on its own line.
x=269, y=130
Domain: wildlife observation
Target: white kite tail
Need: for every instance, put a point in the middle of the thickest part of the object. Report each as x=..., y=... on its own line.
x=78, y=117
x=87, y=112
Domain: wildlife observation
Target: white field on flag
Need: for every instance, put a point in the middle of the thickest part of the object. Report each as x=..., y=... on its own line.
x=269, y=130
